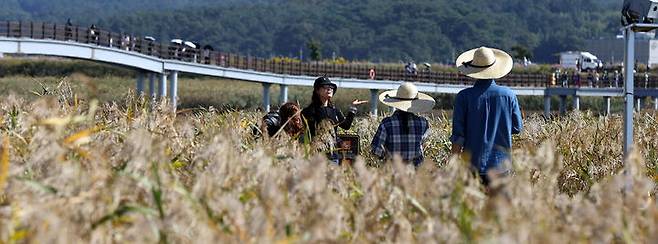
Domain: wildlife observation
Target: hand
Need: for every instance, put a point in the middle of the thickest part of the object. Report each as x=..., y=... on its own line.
x=456, y=149
x=357, y=102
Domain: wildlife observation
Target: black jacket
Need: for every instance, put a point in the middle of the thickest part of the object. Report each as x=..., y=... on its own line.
x=314, y=114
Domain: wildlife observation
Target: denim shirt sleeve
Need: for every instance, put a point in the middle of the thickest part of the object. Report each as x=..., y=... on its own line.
x=517, y=120
x=458, y=136
x=378, y=140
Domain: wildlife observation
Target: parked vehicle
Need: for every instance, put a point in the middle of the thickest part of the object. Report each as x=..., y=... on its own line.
x=583, y=61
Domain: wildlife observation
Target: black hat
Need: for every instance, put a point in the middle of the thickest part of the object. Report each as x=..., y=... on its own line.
x=322, y=81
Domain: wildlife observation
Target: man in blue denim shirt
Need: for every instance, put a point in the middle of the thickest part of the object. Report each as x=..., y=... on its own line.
x=486, y=115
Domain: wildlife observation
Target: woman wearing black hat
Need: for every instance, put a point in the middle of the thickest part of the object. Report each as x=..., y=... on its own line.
x=322, y=109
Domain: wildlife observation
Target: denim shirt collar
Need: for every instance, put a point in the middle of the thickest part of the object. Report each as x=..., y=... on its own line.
x=484, y=83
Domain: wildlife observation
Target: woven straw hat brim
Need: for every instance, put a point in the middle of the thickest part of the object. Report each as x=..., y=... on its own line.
x=424, y=103
x=499, y=69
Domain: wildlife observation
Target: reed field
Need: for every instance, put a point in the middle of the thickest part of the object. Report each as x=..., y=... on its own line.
x=77, y=169
x=194, y=92
x=22, y=75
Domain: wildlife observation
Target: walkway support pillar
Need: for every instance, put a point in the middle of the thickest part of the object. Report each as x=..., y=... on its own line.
x=173, y=88
x=162, y=86
x=140, y=84
x=655, y=103
x=283, y=95
x=607, y=105
x=576, y=103
x=547, y=106
x=152, y=87
x=266, y=97
x=374, y=98
x=563, y=104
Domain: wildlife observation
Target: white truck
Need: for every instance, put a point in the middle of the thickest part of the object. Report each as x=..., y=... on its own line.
x=583, y=60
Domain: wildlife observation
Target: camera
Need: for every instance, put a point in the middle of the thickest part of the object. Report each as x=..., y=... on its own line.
x=272, y=121
x=639, y=11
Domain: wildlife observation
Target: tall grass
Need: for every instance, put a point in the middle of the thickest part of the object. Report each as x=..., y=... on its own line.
x=194, y=92
x=206, y=92
x=80, y=171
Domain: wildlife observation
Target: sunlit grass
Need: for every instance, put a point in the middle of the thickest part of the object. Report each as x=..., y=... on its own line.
x=135, y=172
x=194, y=92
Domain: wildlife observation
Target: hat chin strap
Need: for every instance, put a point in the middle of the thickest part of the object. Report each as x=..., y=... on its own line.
x=470, y=64
x=402, y=98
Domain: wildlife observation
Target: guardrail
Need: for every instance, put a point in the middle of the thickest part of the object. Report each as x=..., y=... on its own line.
x=100, y=37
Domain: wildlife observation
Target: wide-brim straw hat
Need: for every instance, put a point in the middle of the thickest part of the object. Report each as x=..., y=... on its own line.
x=407, y=98
x=484, y=63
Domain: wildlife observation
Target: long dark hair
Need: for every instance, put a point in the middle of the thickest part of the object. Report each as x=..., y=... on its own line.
x=315, y=99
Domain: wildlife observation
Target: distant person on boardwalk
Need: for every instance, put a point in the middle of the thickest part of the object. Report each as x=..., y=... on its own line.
x=590, y=78
x=93, y=34
x=322, y=113
x=404, y=132
x=207, y=52
x=132, y=41
x=125, y=42
x=565, y=79
x=551, y=78
x=411, y=69
x=486, y=115
x=149, y=40
x=68, y=30
x=576, y=78
x=428, y=67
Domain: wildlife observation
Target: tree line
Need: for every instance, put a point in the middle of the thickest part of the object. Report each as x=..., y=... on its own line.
x=373, y=30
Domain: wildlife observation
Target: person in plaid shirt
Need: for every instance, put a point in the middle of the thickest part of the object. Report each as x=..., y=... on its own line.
x=404, y=132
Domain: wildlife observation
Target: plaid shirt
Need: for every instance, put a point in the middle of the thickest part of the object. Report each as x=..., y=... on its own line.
x=390, y=139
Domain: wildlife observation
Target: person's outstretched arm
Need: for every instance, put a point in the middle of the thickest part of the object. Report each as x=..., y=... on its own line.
x=345, y=122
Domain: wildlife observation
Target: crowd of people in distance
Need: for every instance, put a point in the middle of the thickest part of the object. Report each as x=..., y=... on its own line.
x=176, y=49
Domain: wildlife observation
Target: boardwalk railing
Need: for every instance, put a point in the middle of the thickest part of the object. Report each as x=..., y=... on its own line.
x=100, y=37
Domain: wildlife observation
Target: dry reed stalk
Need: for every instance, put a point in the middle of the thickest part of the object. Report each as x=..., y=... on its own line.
x=4, y=162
